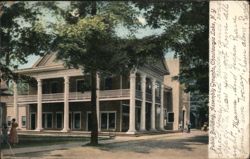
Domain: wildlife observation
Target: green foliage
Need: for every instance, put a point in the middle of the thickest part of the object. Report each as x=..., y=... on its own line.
x=19, y=36
x=90, y=41
x=185, y=27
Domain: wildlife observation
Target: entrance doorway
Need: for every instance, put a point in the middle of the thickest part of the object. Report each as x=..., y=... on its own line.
x=33, y=121
x=183, y=119
x=108, y=121
x=77, y=120
x=70, y=120
x=148, y=116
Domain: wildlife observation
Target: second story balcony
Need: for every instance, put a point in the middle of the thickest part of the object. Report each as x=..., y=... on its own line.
x=119, y=94
x=78, y=88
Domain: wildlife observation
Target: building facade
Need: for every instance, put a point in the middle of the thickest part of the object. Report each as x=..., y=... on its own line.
x=178, y=102
x=131, y=103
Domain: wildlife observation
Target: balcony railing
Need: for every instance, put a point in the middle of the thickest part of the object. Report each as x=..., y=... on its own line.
x=119, y=93
x=75, y=96
x=86, y=96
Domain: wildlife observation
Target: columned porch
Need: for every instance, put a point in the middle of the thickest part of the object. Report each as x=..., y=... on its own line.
x=149, y=92
x=143, y=98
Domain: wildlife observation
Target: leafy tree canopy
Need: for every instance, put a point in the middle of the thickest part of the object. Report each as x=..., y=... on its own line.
x=185, y=27
x=88, y=38
x=19, y=34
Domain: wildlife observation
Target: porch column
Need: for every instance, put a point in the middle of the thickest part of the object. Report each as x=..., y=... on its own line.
x=162, y=108
x=15, y=102
x=98, y=101
x=39, y=105
x=143, y=104
x=153, y=106
x=132, y=129
x=66, y=105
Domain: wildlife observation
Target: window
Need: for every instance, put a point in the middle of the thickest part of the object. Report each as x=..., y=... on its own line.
x=108, y=83
x=9, y=121
x=138, y=83
x=125, y=109
x=157, y=90
x=54, y=87
x=80, y=85
x=83, y=84
x=23, y=121
x=148, y=86
x=47, y=120
x=104, y=124
x=45, y=87
x=108, y=120
x=169, y=101
x=111, y=121
x=170, y=117
x=59, y=120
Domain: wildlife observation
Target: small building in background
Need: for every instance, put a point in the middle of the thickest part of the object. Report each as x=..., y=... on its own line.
x=178, y=102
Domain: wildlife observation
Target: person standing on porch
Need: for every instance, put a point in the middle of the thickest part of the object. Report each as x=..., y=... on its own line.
x=13, y=138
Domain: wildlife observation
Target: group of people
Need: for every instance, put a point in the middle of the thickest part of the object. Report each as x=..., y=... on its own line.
x=12, y=137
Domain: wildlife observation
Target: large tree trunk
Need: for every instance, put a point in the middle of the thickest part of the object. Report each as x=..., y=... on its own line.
x=94, y=131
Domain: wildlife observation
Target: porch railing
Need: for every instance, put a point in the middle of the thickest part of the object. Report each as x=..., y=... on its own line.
x=104, y=94
x=118, y=93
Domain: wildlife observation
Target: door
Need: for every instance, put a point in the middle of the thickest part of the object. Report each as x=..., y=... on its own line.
x=125, y=118
x=77, y=120
x=33, y=121
x=47, y=120
x=59, y=120
x=70, y=120
x=138, y=118
x=148, y=116
x=125, y=123
x=183, y=119
x=108, y=121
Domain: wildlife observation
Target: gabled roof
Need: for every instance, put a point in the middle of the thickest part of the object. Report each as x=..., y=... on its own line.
x=160, y=67
x=47, y=61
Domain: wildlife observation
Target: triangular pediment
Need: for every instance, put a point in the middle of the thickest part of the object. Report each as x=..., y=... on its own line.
x=47, y=61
